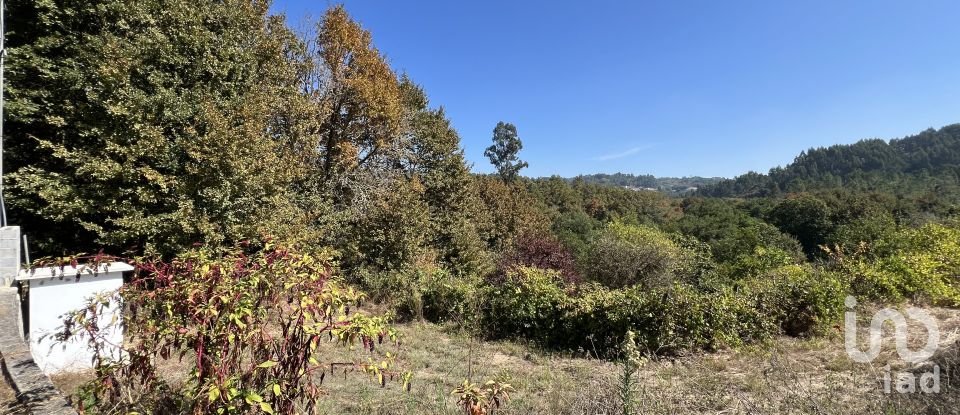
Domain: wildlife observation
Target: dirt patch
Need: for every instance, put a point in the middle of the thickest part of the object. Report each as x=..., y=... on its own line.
x=69, y=382
x=8, y=401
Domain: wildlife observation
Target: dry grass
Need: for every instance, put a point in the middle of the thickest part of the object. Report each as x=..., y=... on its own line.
x=69, y=382
x=8, y=400
x=796, y=376
x=786, y=376
x=441, y=358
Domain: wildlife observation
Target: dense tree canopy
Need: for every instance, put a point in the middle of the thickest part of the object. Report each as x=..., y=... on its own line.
x=912, y=165
x=147, y=124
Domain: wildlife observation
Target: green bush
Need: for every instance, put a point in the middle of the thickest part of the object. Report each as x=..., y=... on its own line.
x=670, y=319
x=533, y=304
x=761, y=261
x=667, y=320
x=798, y=299
x=805, y=217
x=695, y=264
x=529, y=303
x=623, y=255
x=446, y=297
x=875, y=232
x=729, y=229
x=425, y=291
x=600, y=316
x=924, y=268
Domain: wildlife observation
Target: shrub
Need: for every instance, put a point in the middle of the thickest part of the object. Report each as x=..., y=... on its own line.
x=729, y=230
x=797, y=299
x=806, y=217
x=539, y=250
x=755, y=234
x=425, y=290
x=932, y=261
x=668, y=320
x=923, y=268
x=886, y=279
x=574, y=229
x=389, y=232
x=624, y=255
x=530, y=303
x=761, y=261
x=484, y=399
x=686, y=319
x=249, y=324
x=446, y=297
x=876, y=232
x=695, y=263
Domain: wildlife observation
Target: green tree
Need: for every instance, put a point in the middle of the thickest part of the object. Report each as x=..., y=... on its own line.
x=807, y=218
x=148, y=124
x=505, y=212
x=503, y=152
x=729, y=230
x=437, y=161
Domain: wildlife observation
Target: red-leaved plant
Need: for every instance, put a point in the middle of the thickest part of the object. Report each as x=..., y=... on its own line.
x=538, y=251
x=247, y=324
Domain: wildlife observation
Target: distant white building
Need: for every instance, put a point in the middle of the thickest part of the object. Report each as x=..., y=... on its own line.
x=640, y=189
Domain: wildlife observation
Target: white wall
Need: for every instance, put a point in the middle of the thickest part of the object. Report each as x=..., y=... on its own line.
x=52, y=294
x=9, y=254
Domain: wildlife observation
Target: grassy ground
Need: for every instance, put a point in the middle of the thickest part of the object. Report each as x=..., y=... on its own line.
x=441, y=358
x=786, y=376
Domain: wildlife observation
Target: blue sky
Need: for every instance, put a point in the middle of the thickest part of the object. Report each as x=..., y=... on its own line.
x=671, y=88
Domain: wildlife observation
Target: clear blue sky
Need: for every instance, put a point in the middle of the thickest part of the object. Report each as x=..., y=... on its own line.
x=671, y=88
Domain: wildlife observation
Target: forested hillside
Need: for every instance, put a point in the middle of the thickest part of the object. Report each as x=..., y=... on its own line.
x=926, y=162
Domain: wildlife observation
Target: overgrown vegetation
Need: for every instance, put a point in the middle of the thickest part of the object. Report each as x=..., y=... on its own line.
x=246, y=322
x=171, y=129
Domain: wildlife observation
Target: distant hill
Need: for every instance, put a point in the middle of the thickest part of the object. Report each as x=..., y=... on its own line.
x=673, y=185
x=928, y=161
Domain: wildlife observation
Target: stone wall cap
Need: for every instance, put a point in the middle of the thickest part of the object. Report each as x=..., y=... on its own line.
x=70, y=271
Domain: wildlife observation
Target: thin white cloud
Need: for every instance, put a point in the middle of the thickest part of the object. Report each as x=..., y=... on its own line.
x=622, y=154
